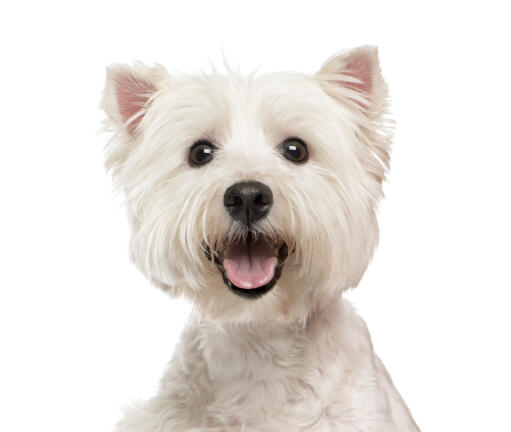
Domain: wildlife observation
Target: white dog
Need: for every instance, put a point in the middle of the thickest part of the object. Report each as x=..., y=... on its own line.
x=255, y=198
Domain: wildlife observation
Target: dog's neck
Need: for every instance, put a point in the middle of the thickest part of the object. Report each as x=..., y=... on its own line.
x=233, y=350
x=249, y=363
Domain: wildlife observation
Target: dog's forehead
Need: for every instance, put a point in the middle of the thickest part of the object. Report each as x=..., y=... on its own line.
x=273, y=93
x=261, y=108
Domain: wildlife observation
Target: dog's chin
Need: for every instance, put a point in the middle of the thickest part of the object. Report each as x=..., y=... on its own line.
x=250, y=267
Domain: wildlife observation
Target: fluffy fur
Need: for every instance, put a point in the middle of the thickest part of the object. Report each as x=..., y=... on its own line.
x=298, y=358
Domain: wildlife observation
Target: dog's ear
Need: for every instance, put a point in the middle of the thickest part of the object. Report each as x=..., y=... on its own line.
x=129, y=91
x=354, y=77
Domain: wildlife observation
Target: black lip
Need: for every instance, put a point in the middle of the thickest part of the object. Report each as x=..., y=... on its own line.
x=251, y=293
x=254, y=293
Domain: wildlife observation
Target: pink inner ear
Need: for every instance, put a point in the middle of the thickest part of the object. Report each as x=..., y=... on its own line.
x=132, y=95
x=360, y=68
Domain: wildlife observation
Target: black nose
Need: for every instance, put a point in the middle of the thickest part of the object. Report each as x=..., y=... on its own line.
x=248, y=202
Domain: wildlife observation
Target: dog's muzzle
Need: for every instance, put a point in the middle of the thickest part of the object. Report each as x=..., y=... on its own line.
x=250, y=264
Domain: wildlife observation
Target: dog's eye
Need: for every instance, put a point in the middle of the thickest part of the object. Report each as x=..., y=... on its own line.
x=295, y=150
x=201, y=153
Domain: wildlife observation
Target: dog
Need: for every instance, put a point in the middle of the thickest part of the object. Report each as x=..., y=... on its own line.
x=254, y=197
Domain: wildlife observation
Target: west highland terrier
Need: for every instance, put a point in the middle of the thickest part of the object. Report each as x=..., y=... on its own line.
x=255, y=198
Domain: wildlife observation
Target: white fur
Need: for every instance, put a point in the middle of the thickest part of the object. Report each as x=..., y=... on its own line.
x=298, y=358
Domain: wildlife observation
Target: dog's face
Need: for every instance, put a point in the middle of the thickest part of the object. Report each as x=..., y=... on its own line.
x=253, y=196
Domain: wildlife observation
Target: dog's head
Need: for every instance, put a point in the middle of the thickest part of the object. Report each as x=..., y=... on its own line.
x=254, y=196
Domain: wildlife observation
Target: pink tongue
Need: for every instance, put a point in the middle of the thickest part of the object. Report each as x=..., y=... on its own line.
x=251, y=265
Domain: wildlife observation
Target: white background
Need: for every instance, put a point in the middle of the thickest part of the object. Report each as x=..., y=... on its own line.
x=82, y=332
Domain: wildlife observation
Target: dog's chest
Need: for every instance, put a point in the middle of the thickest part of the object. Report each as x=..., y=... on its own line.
x=318, y=377
x=256, y=370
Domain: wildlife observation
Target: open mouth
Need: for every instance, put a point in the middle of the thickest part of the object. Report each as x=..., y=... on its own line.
x=251, y=266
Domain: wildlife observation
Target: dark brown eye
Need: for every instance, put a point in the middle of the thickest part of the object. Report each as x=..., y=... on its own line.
x=201, y=153
x=295, y=150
